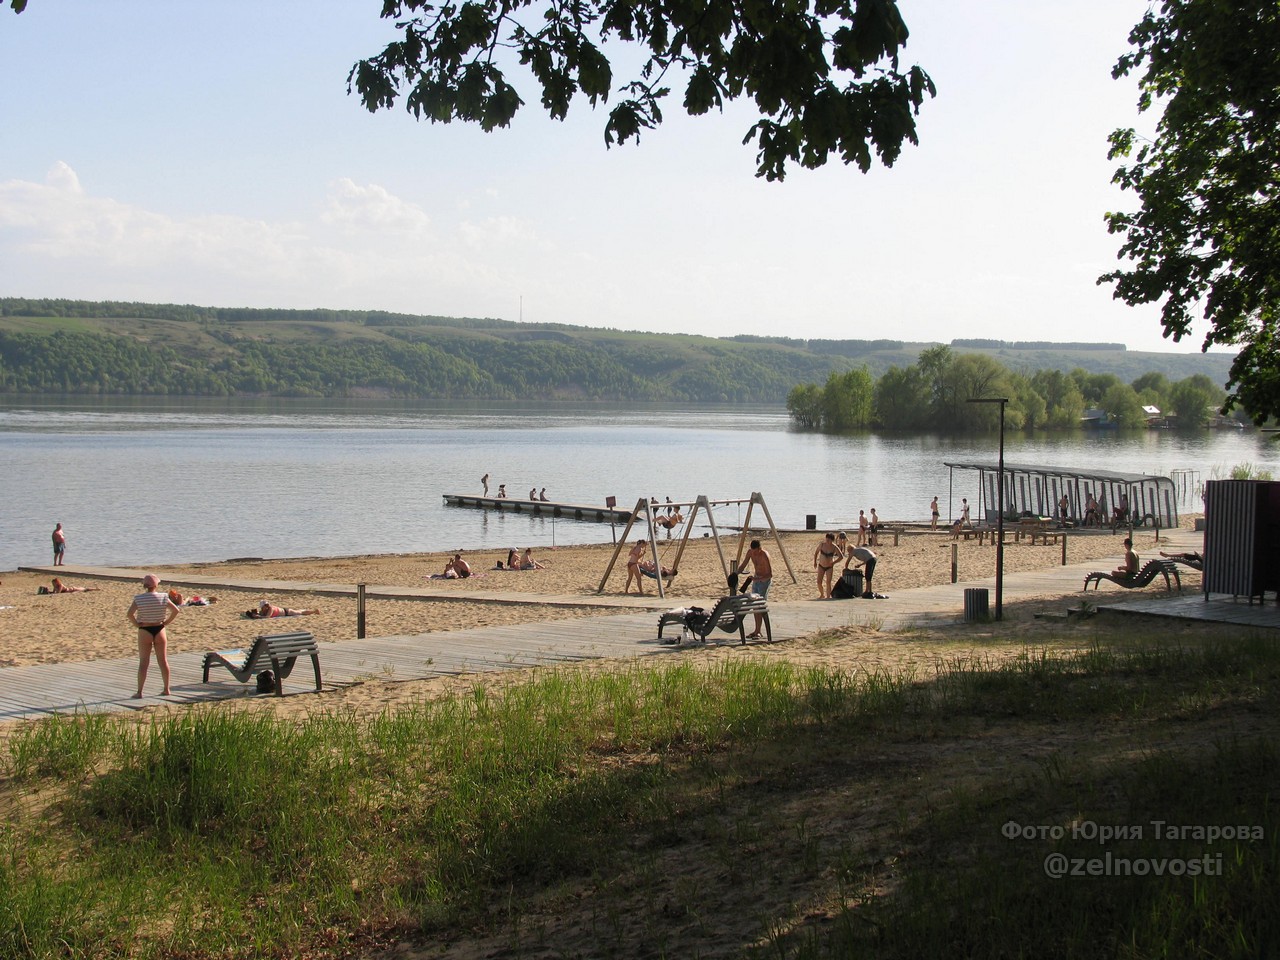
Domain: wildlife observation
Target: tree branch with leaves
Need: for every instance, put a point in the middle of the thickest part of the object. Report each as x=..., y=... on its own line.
x=823, y=74
x=1205, y=241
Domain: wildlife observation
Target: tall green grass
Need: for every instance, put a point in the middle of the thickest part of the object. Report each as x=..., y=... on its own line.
x=234, y=834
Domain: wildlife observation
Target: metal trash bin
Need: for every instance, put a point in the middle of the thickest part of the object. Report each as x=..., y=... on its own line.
x=976, y=606
x=811, y=521
x=853, y=580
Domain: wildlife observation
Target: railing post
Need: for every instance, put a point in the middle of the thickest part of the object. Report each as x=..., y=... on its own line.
x=359, y=611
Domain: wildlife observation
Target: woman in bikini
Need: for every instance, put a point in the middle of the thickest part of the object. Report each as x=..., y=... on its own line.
x=151, y=612
x=824, y=561
x=633, y=567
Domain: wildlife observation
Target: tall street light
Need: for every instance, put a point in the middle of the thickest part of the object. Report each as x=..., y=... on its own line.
x=999, y=506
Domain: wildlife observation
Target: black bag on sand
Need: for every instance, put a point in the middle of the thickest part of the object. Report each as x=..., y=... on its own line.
x=266, y=682
x=842, y=591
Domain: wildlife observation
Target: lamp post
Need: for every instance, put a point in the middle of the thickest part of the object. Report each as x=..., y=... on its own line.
x=999, y=506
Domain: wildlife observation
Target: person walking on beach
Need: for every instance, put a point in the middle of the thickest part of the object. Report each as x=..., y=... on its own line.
x=633, y=567
x=59, y=545
x=933, y=509
x=152, y=611
x=824, y=561
x=761, y=578
x=867, y=560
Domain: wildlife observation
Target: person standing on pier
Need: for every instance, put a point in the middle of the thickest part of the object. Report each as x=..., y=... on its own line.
x=485, y=483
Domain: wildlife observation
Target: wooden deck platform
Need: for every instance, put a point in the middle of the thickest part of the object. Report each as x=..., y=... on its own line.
x=631, y=632
x=544, y=508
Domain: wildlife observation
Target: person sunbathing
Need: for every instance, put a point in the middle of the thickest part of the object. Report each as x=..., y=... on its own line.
x=265, y=611
x=455, y=569
x=60, y=587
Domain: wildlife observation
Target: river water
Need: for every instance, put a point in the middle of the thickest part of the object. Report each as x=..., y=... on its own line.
x=165, y=481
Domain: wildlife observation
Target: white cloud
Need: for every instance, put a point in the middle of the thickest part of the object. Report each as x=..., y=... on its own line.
x=365, y=247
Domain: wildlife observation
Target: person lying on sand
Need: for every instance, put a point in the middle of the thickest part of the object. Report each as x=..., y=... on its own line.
x=60, y=587
x=265, y=611
x=195, y=600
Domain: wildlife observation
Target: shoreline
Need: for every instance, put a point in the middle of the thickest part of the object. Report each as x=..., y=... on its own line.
x=88, y=626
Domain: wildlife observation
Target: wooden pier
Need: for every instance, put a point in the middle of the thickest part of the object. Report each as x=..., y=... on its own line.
x=540, y=508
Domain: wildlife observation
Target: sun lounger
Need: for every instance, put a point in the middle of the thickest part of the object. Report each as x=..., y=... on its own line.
x=276, y=652
x=728, y=615
x=1150, y=570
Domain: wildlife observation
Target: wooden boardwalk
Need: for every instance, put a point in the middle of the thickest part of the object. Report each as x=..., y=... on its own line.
x=105, y=684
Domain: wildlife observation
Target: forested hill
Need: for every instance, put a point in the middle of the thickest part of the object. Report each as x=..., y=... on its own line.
x=71, y=346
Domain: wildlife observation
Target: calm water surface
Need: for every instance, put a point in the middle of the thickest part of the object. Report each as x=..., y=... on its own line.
x=139, y=482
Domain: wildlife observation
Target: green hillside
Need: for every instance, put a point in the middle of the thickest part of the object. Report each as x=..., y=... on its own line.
x=82, y=347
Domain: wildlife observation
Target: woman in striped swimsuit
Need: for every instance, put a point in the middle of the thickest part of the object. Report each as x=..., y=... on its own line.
x=151, y=612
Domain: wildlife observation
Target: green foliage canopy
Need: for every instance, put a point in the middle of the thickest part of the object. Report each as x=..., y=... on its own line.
x=1206, y=236
x=824, y=75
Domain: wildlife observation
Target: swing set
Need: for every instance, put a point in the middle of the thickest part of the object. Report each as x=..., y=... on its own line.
x=645, y=512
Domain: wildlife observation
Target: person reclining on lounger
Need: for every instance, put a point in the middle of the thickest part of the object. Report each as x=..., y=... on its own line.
x=265, y=611
x=1193, y=560
x=1130, y=568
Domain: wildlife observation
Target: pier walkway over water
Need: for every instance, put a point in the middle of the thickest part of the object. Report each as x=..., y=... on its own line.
x=104, y=685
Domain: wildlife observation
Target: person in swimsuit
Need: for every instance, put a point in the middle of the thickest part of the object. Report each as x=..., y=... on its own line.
x=151, y=612
x=862, y=527
x=457, y=568
x=933, y=509
x=1131, y=561
x=760, y=579
x=60, y=587
x=485, y=483
x=824, y=561
x=266, y=611
x=633, y=567
x=527, y=562
x=59, y=545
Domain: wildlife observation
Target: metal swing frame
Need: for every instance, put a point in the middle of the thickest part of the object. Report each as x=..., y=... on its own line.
x=644, y=510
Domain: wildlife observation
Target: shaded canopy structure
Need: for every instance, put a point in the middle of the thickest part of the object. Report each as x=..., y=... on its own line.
x=1035, y=490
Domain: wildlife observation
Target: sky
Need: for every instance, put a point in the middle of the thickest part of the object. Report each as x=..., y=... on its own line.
x=208, y=153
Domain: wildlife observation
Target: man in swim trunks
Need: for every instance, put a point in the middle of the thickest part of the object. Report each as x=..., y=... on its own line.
x=824, y=561
x=457, y=568
x=151, y=612
x=933, y=510
x=761, y=577
x=59, y=545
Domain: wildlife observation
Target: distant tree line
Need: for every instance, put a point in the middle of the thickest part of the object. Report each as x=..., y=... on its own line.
x=1034, y=345
x=124, y=348
x=933, y=393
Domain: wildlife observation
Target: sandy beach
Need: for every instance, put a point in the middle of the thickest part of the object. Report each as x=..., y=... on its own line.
x=91, y=625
